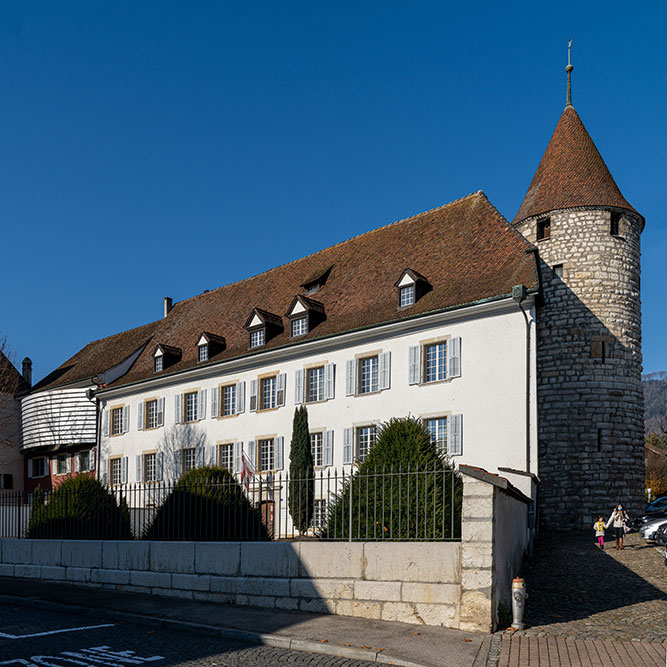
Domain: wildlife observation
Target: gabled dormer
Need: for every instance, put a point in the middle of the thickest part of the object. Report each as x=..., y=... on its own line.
x=208, y=346
x=411, y=287
x=316, y=280
x=304, y=315
x=165, y=356
x=262, y=326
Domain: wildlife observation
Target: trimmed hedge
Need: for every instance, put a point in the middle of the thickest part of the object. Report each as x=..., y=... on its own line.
x=79, y=509
x=206, y=504
x=404, y=489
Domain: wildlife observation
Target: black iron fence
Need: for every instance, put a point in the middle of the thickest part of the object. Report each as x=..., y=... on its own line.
x=398, y=504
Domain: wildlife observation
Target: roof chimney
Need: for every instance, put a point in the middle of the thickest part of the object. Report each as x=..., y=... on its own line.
x=27, y=370
x=167, y=305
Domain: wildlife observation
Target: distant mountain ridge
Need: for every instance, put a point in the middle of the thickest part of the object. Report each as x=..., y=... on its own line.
x=655, y=399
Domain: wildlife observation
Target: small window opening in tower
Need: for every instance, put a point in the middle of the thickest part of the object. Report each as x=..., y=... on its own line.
x=599, y=440
x=543, y=229
x=598, y=350
x=557, y=272
x=613, y=225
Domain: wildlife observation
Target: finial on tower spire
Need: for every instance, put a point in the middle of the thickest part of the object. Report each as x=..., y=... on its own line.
x=569, y=69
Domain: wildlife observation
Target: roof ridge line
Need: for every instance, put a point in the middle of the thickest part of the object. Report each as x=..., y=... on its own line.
x=335, y=245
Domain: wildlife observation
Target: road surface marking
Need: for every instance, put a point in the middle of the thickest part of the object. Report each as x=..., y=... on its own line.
x=54, y=632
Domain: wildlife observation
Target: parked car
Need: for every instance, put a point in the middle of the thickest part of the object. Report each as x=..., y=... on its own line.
x=641, y=520
x=657, y=505
x=650, y=527
x=661, y=535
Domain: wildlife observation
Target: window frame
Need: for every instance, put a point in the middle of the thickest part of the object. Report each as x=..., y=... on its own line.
x=260, y=333
x=158, y=364
x=147, y=413
x=79, y=455
x=615, y=223
x=441, y=361
x=113, y=462
x=374, y=374
x=437, y=433
x=557, y=272
x=187, y=465
x=357, y=441
x=60, y=458
x=194, y=393
x=318, y=456
x=271, y=456
x=299, y=319
x=261, y=391
x=224, y=388
x=116, y=409
x=407, y=289
x=309, y=373
x=543, y=228
x=202, y=353
x=227, y=446
x=145, y=457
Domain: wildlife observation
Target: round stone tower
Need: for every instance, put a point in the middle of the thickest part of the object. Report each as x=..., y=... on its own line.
x=589, y=360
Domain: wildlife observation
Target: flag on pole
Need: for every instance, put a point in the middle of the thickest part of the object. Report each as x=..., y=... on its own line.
x=246, y=472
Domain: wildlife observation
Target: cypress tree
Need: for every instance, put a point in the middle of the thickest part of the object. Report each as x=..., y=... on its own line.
x=301, y=471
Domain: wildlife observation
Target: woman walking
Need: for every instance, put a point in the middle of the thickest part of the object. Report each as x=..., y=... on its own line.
x=620, y=519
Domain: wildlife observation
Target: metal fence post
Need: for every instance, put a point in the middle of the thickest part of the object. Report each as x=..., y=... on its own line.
x=350, y=509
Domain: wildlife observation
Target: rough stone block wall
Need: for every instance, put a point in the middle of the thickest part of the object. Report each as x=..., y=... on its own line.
x=590, y=410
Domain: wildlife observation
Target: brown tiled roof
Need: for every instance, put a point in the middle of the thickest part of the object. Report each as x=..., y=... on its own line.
x=467, y=249
x=99, y=356
x=571, y=173
x=11, y=381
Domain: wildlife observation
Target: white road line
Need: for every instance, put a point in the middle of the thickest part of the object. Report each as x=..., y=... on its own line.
x=55, y=632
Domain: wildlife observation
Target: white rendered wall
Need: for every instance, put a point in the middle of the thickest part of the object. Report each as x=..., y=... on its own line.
x=490, y=394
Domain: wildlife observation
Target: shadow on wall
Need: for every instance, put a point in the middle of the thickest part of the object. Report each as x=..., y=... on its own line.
x=590, y=407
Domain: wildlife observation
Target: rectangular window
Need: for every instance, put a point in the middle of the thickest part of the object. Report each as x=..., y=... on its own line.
x=203, y=353
x=266, y=452
x=61, y=465
x=544, y=229
x=151, y=408
x=599, y=350
x=115, y=470
x=189, y=459
x=438, y=430
x=315, y=384
x=158, y=364
x=84, y=461
x=365, y=440
x=39, y=467
x=116, y=421
x=407, y=296
x=226, y=457
x=229, y=400
x=613, y=225
x=150, y=467
x=268, y=393
x=257, y=338
x=299, y=326
x=316, y=441
x=319, y=513
x=557, y=272
x=435, y=362
x=368, y=375
x=190, y=401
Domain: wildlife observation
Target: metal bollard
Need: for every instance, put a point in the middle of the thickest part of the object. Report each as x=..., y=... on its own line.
x=518, y=603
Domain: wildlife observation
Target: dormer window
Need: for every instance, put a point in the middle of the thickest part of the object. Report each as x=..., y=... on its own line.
x=406, y=296
x=299, y=326
x=165, y=356
x=208, y=346
x=544, y=229
x=411, y=287
x=257, y=338
x=304, y=315
x=316, y=281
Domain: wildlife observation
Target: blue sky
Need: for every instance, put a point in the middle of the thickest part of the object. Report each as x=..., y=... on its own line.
x=155, y=149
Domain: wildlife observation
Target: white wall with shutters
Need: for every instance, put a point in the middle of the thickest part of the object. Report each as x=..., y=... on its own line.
x=140, y=416
x=215, y=399
x=485, y=382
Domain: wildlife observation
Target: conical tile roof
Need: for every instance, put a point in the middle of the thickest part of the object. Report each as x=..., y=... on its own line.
x=571, y=173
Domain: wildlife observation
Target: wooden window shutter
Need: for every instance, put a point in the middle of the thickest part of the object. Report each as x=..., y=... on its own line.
x=178, y=408
x=126, y=418
x=201, y=404
x=200, y=456
x=280, y=388
x=139, y=477
x=252, y=454
x=159, y=462
x=414, y=364
x=384, y=368
x=160, y=412
x=329, y=381
x=77, y=463
x=455, y=431
x=240, y=397
x=253, y=395
x=215, y=400
x=454, y=357
x=140, y=416
x=298, y=387
x=238, y=453
x=327, y=449
x=92, y=459
x=348, y=445
x=29, y=468
x=278, y=458
x=105, y=422
x=350, y=377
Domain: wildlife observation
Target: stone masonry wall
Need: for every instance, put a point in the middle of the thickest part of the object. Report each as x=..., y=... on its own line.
x=590, y=410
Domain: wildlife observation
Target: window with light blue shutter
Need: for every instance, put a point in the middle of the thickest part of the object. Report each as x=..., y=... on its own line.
x=454, y=354
x=160, y=412
x=279, y=444
x=240, y=397
x=327, y=448
x=253, y=395
x=177, y=464
x=178, y=408
x=139, y=476
x=159, y=464
x=126, y=418
x=140, y=416
x=384, y=370
x=455, y=431
x=414, y=364
x=201, y=405
x=348, y=445
x=350, y=377
x=252, y=454
x=329, y=381
x=238, y=453
x=123, y=470
x=215, y=397
x=105, y=422
x=200, y=457
x=280, y=388
x=298, y=387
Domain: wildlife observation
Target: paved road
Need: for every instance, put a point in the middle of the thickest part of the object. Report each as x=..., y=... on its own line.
x=29, y=637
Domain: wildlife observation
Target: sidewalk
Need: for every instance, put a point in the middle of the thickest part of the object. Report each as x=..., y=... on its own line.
x=359, y=638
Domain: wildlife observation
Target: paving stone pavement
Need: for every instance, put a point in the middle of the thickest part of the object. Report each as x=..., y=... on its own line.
x=588, y=607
